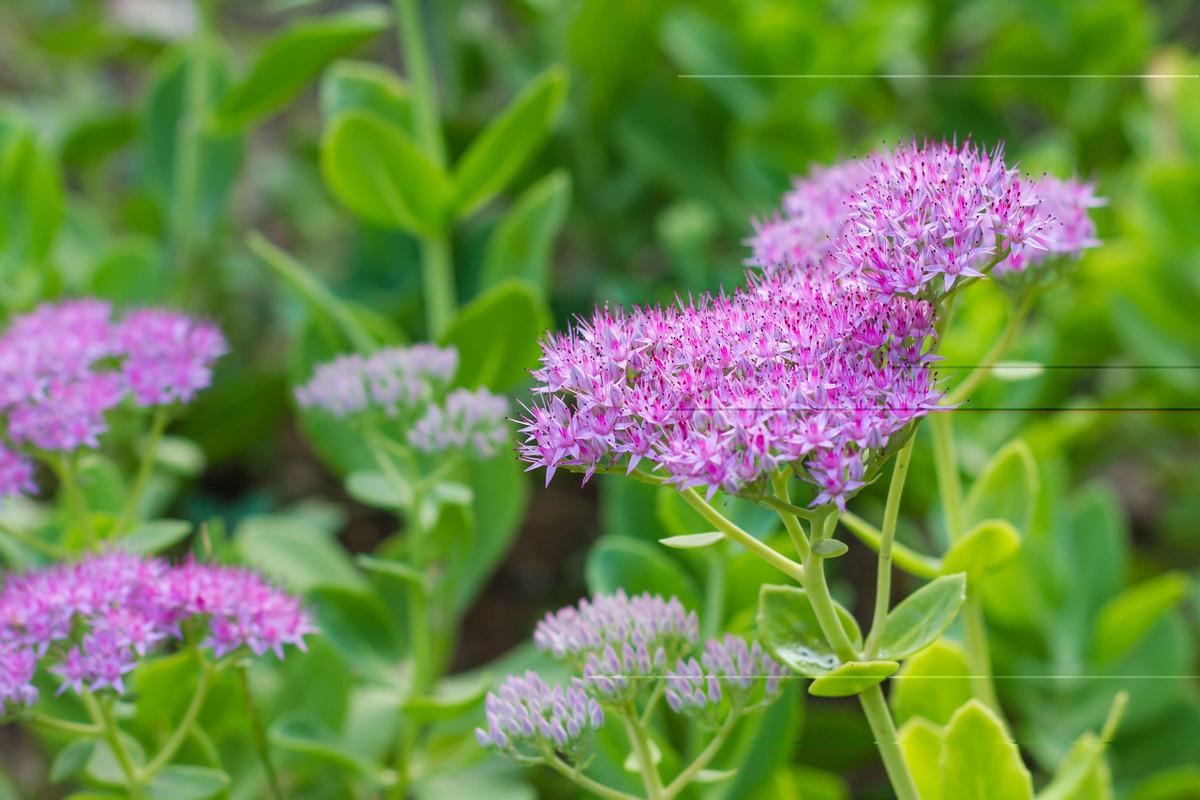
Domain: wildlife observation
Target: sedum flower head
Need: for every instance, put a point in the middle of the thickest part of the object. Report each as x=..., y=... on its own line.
x=168, y=356
x=643, y=623
x=920, y=218
x=64, y=366
x=90, y=622
x=407, y=384
x=729, y=678
x=526, y=719
x=720, y=392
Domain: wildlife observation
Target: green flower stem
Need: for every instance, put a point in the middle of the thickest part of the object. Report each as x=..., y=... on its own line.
x=982, y=370
x=31, y=541
x=180, y=734
x=260, y=735
x=158, y=426
x=104, y=720
x=437, y=263
x=186, y=185
x=437, y=270
x=887, y=740
x=584, y=782
x=426, y=121
x=883, y=579
x=639, y=740
x=681, y=781
x=764, y=551
x=76, y=504
x=875, y=708
x=978, y=652
x=50, y=723
x=780, y=483
x=912, y=562
x=424, y=670
x=652, y=703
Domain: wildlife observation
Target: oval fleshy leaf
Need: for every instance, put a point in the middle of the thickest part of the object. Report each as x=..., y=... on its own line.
x=852, y=678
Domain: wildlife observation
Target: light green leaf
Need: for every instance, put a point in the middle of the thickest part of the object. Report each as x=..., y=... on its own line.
x=1179, y=783
x=932, y=684
x=714, y=775
x=31, y=199
x=788, y=626
x=830, y=548
x=179, y=455
x=71, y=759
x=393, y=569
x=154, y=536
x=621, y=562
x=454, y=493
x=852, y=677
x=185, y=782
x=453, y=698
x=103, y=766
x=300, y=733
x=922, y=617
x=1006, y=488
x=377, y=171
x=368, y=86
x=333, y=315
x=692, y=541
x=921, y=744
x=979, y=759
x=219, y=159
x=1125, y=619
x=504, y=146
x=522, y=242
x=293, y=58
x=360, y=626
x=296, y=551
x=986, y=545
x=133, y=271
x=1083, y=773
x=497, y=334
x=374, y=489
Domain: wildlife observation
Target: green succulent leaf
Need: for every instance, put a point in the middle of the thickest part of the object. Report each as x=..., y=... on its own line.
x=932, y=684
x=788, y=626
x=979, y=759
x=504, y=146
x=291, y=60
x=521, y=244
x=377, y=171
x=988, y=544
x=852, y=677
x=921, y=744
x=692, y=541
x=1125, y=619
x=364, y=85
x=496, y=335
x=922, y=617
x=1006, y=488
x=622, y=562
x=186, y=782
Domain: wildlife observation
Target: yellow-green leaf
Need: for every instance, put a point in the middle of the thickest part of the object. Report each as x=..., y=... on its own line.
x=932, y=684
x=979, y=759
x=1125, y=619
x=852, y=677
x=921, y=744
x=986, y=545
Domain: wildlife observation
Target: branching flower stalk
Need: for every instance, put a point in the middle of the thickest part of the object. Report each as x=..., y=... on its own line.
x=419, y=432
x=627, y=652
x=818, y=368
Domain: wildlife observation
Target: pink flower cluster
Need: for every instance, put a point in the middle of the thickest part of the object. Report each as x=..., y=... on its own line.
x=720, y=392
x=918, y=219
x=89, y=622
x=64, y=366
x=406, y=385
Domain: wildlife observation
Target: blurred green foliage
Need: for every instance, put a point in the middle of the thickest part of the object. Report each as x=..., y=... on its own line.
x=111, y=182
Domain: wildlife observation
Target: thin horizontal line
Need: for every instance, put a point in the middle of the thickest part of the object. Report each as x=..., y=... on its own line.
x=1030, y=365
x=940, y=76
x=790, y=676
x=959, y=409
